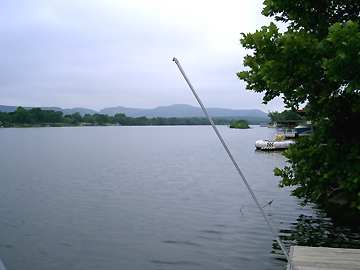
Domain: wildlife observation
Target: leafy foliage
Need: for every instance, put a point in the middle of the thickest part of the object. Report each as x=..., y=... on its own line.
x=241, y=124
x=316, y=62
x=285, y=116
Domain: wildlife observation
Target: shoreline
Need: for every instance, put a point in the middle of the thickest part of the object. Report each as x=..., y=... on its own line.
x=110, y=125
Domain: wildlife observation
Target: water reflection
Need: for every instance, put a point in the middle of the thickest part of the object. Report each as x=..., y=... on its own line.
x=318, y=231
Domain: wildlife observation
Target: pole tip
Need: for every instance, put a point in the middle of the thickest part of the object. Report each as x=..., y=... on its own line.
x=175, y=60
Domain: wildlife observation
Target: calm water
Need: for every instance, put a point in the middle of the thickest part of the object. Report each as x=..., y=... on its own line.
x=144, y=198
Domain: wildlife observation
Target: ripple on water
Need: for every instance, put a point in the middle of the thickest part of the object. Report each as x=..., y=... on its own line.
x=179, y=242
x=175, y=263
x=146, y=198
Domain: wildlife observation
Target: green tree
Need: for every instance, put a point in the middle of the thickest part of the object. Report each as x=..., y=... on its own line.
x=5, y=119
x=88, y=118
x=121, y=119
x=315, y=61
x=21, y=116
x=76, y=117
x=285, y=116
x=241, y=124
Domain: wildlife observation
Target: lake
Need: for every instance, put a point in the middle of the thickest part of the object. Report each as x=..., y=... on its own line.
x=145, y=198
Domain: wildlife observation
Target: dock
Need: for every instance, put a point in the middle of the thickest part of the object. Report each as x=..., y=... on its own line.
x=319, y=258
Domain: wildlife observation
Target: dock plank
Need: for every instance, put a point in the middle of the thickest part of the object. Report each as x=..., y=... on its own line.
x=319, y=258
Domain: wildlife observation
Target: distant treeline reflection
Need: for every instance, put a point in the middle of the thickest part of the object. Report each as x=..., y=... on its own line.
x=38, y=117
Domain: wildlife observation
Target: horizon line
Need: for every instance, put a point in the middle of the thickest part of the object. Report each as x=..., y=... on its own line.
x=130, y=107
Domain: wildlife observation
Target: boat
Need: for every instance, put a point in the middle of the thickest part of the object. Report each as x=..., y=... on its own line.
x=290, y=133
x=273, y=144
x=303, y=130
x=278, y=143
x=298, y=131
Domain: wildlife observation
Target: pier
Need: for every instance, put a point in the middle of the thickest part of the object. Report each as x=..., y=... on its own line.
x=319, y=258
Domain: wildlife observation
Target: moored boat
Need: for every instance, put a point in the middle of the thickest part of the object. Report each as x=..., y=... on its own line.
x=298, y=131
x=303, y=130
x=273, y=145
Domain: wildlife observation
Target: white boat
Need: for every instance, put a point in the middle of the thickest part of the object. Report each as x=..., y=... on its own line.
x=273, y=145
x=298, y=131
x=290, y=133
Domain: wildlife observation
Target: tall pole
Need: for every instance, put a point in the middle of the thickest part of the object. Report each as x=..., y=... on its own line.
x=242, y=176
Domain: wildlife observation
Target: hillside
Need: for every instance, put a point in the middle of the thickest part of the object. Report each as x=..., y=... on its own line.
x=183, y=110
x=82, y=111
x=253, y=116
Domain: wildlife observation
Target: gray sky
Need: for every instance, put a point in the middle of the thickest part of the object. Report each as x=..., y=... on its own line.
x=92, y=53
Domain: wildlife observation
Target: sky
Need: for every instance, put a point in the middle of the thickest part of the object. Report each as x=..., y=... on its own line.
x=96, y=54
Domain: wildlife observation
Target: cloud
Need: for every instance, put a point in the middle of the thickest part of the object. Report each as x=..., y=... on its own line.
x=103, y=53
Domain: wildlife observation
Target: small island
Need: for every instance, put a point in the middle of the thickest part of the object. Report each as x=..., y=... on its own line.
x=241, y=124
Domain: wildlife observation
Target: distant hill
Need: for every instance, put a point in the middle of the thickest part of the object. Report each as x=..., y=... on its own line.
x=82, y=111
x=253, y=116
x=4, y=108
x=125, y=110
x=182, y=110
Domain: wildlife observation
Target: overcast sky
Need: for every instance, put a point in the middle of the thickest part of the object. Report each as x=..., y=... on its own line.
x=101, y=53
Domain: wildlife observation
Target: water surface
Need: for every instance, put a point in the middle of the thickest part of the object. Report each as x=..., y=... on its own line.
x=140, y=198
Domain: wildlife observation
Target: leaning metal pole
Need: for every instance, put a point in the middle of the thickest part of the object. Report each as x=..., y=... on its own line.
x=234, y=162
x=2, y=266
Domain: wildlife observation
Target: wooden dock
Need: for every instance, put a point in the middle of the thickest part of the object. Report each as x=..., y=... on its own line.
x=319, y=258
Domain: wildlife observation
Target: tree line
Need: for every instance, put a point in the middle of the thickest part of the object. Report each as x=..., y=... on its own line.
x=39, y=117
x=286, y=116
